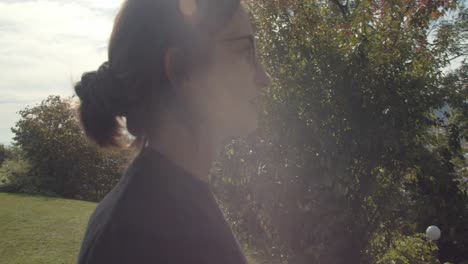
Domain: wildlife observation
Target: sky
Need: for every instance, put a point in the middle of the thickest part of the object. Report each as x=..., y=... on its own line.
x=45, y=47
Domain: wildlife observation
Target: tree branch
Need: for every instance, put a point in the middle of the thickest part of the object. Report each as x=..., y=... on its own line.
x=343, y=8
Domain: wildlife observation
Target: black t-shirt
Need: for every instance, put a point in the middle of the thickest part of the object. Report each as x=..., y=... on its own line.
x=159, y=213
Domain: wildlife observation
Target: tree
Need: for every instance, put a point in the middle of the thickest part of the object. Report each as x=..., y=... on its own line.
x=3, y=153
x=62, y=160
x=342, y=152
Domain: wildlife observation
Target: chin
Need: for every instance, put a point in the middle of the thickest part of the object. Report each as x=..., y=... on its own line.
x=243, y=123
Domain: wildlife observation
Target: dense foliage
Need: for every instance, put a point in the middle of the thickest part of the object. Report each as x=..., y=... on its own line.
x=350, y=150
x=62, y=161
x=3, y=153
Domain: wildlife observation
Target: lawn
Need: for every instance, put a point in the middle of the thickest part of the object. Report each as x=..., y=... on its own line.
x=35, y=229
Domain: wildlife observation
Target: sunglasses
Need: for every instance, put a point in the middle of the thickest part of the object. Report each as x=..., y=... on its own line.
x=252, y=50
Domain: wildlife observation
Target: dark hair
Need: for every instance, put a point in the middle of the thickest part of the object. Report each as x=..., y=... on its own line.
x=133, y=83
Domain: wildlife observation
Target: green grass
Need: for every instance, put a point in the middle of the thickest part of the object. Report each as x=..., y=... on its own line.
x=35, y=229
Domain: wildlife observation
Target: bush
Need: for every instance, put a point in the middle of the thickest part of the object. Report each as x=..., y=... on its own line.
x=62, y=160
x=401, y=249
x=15, y=175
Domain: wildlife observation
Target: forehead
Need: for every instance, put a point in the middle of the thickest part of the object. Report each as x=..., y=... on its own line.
x=239, y=25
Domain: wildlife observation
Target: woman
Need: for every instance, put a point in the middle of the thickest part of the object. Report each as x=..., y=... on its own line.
x=185, y=76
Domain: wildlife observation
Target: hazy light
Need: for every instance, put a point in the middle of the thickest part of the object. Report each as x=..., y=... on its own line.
x=187, y=7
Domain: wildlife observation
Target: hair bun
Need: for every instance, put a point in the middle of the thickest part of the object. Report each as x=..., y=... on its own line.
x=99, y=107
x=88, y=80
x=99, y=88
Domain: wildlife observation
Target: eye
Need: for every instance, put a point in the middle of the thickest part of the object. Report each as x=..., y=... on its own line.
x=248, y=50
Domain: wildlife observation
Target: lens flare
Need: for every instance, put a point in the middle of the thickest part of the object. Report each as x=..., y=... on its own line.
x=188, y=7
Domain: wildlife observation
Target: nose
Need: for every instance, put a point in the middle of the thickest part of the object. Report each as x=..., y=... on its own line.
x=262, y=78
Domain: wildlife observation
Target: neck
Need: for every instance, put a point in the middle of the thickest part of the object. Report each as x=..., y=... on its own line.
x=193, y=150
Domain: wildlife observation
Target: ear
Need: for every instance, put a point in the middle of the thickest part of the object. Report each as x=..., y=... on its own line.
x=173, y=66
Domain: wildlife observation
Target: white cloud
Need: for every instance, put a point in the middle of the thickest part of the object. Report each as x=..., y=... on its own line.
x=45, y=46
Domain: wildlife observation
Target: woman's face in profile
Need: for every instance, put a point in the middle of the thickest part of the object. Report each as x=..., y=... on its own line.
x=225, y=94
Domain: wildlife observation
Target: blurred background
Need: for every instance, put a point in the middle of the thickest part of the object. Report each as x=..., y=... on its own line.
x=360, y=156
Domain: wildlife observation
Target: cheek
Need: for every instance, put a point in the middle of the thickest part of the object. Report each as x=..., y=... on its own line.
x=233, y=82
x=223, y=93
x=232, y=89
